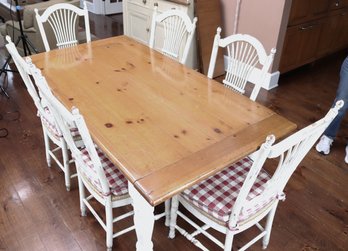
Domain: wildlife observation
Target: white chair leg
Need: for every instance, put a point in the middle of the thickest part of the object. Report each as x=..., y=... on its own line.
x=66, y=165
x=229, y=241
x=173, y=216
x=47, y=148
x=167, y=212
x=109, y=225
x=82, y=194
x=268, y=227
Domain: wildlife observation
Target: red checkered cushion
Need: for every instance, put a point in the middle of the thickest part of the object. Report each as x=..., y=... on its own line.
x=217, y=194
x=117, y=182
x=49, y=122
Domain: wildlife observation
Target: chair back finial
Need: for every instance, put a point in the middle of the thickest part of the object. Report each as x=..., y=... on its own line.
x=63, y=19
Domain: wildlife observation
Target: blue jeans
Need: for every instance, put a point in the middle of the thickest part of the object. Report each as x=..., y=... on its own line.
x=342, y=93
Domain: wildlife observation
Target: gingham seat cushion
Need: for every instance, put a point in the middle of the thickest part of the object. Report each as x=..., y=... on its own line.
x=49, y=122
x=116, y=180
x=216, y=195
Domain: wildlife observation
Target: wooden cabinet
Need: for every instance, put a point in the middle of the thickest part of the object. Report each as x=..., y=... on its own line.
x=137, y=17
x=305, y=10
x=300, y=45
x=315, y=29
x=337, y=4
x=334, y=33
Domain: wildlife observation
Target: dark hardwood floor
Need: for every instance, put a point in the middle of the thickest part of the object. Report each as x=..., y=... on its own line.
x=37, y=213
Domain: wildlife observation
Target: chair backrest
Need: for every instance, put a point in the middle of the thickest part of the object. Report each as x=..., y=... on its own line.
x=24, y=71
x=290, y=153
x=245, y=55
x=66, y=120
x=63, y=19
x=178, y=32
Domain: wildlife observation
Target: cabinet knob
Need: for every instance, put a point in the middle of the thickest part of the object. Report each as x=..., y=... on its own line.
x=147, y=29
x=337, y=3
x=155, y=4
x=144, y=1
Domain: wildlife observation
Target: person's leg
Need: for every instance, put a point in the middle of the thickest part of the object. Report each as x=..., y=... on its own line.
x=342, y=93
x=330, y=133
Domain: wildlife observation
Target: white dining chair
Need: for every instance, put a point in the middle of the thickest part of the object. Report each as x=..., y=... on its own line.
x=178, y=32
x=51, y=132
x=96, y=173
x=241, y=195
x=247, y=61
x=63, y=19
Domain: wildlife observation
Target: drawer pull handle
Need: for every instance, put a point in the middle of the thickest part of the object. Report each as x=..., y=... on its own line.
x=144, y=1
x=311, y=26
x=337, y=3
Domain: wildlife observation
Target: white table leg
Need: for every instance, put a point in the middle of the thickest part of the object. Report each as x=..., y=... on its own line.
x=144, y=219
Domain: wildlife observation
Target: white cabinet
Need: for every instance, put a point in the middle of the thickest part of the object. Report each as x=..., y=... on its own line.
x=138, y=21
x=104, y=7
x=137, y=16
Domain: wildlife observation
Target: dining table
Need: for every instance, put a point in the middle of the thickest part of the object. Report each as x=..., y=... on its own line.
x=166, y=126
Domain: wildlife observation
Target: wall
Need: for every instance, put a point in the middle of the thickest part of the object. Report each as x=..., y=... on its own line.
x=266, y=20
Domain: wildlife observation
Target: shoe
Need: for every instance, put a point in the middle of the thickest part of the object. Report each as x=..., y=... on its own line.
x=324, y=145
x=346, y=158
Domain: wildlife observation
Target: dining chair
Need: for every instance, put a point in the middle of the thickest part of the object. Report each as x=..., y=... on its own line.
x=247, y=61
x=241, y=195
x=63, y=19
x=51, y=132
x=178, y=32
x=96, y=173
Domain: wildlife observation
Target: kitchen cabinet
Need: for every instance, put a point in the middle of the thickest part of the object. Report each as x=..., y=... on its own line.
x=138, y=21
x=316, y=28
x=300, y=45
x=305, y=10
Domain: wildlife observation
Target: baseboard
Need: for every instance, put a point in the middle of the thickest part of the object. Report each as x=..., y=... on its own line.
x=271, y=78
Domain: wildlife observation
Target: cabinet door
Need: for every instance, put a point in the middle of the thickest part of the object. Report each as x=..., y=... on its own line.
x=328, y=35
x=299, y=11
x=342, y=31
x=306, y=10
x=138, y=23
x=319, y=8
x=300, y=45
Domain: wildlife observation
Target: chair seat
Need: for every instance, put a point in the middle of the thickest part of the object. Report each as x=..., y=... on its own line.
x=216, y=195
x=50, y=124
x=117, y=182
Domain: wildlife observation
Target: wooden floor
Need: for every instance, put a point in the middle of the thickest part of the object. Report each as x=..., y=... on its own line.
x=37, y=213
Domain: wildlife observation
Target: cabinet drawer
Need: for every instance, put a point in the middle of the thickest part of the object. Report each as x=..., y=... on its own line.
x=166, y=5
x=300, y=45
x=144, y=3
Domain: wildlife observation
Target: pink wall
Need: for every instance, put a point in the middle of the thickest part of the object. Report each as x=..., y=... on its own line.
x=266, y=20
